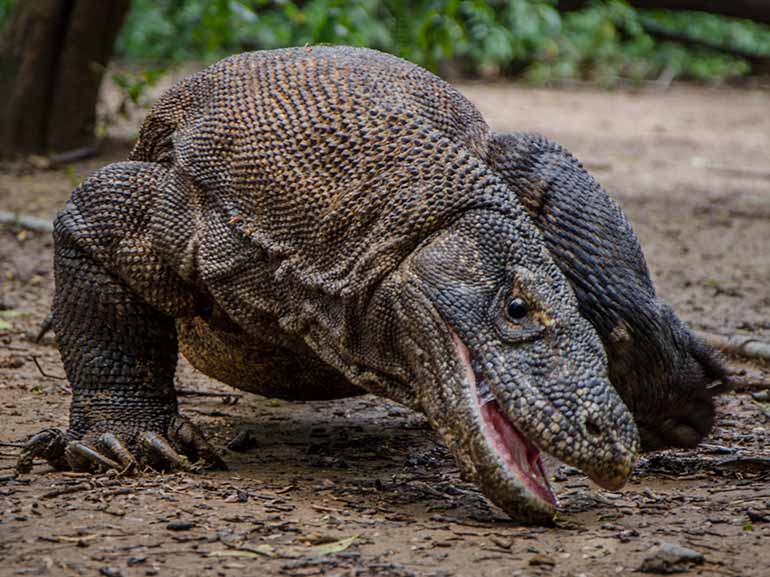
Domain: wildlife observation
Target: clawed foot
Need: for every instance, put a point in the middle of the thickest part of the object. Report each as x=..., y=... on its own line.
x=182, y=448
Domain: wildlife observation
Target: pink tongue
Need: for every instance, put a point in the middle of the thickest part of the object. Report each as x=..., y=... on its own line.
x=517, y=452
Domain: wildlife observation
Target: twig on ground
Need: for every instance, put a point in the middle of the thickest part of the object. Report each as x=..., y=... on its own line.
x=740, y=345
x=42, y=372
x=74, y=155
x=747, y=384
x=14, y=348
x=6, y=478
x=228, y=398
x=68, y=490
x=731, y=170
x=752, y=464
x=597, y=165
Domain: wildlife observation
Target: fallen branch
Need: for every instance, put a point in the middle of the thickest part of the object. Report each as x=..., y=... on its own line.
x=740, y=345
x=68, y=490
x=745, y=464
x=190, y=393
x=727, y=170
x=56, y=160
x=42, y=372
x=33, y=223
x=742, y=383
x=227, y=398
x=686, y=464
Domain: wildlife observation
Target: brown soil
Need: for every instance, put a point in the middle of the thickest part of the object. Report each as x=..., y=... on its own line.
x=690, y=167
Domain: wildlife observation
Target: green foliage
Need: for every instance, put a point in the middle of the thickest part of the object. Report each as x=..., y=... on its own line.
x=133, y=87
x=604, y=42
x=608, y=42
x=740, y=34
x=5, y=8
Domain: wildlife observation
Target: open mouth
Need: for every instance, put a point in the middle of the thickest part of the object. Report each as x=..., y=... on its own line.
x=519, y=455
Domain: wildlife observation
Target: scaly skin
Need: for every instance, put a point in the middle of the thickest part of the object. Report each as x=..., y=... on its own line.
x=663, y=372
x=333, y=209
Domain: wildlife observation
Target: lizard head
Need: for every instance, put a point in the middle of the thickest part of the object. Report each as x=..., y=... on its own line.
x=506, y=367
x=666, y=375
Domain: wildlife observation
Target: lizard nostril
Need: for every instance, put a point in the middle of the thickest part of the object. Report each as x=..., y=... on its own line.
x=592, y=428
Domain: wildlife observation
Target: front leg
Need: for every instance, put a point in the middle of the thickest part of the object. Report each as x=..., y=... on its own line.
x=119, y=351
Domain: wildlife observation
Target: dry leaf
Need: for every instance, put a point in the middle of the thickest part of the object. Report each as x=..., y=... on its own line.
x=327, y=548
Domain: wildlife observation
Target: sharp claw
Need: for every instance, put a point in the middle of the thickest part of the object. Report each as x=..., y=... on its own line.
x=55, y=447
x=187, y=435
x=118, y=450
x=156, y=446
x=83, y=458
x=48, y=444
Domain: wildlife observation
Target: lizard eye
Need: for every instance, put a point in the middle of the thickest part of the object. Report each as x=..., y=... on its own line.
x=516, y=309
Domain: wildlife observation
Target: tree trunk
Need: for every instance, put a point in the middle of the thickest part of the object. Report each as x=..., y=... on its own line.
x=28, y=53
x=52, y=58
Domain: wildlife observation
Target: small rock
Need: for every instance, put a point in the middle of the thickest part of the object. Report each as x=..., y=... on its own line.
x=627, y=535
x=110, y=572
x=757, y=516
x=242, y=442
x=11, y=362
x=239, y=496
x=179, y=526
x=542, y=560
x=670, y=558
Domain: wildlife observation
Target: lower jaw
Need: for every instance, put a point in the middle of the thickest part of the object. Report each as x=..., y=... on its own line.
x=526, y=497
x=521, y=459
x=521, y=489
x=518, y=503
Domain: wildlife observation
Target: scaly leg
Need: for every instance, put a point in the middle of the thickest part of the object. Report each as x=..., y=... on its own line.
x=119, y=351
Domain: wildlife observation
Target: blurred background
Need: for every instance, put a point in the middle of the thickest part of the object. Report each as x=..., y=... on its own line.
x=54, y=54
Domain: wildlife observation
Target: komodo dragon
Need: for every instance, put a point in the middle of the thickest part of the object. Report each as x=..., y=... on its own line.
x=316, y=223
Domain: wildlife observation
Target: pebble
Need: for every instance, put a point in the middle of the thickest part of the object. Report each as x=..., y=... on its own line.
x=179, y=526
x=670, y=558
x=542, y=560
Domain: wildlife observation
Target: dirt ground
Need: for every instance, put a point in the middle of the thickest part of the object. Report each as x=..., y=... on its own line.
x=363, y=487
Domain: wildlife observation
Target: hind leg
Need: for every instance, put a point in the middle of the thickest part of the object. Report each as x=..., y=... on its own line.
x=119, y=348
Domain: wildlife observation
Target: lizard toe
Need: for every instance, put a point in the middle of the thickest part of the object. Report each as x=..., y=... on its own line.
x=158, y=453
x=117, y=449
x=48, y=444
x=81, y=457
x=183, y=433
